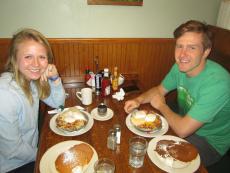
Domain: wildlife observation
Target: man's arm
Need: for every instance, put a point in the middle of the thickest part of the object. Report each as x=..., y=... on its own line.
x=146, y=97
x=182, y=126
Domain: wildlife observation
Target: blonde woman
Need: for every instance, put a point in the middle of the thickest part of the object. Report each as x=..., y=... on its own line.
x=29, y=77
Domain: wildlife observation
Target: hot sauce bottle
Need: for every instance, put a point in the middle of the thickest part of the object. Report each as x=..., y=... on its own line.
x=115, y=80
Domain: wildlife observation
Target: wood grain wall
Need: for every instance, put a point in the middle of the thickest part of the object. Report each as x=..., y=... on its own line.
x=221, y=46
x=144, y=59
x=147, y=60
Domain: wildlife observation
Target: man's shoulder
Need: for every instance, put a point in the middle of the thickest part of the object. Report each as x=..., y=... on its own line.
x=214, y=66
x=216, y=73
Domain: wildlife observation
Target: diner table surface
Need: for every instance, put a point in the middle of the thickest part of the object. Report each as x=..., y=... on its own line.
x=97, y=135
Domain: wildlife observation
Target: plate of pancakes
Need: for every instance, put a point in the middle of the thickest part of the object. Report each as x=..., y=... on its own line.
x=146, y=123
x=71, y=122
x=69, y=156
x=173, y=154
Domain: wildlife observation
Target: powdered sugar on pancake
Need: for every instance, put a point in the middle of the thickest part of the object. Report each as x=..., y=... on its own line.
x=176, y=154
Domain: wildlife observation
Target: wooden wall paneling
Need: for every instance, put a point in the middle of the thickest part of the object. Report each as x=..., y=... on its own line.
x=98, y=57
x=85, y=58
x=149, y=74
x=156, y=59
x=4, y=45
x=145, y=59
x=154, y=65
x=140, y=66
x=76, y=59
x=66, y=59
x=122, y=58
x=112, y=56
x=221, y=46
x=164, y=60
x=91, y=56
x=146, y=65
x=59, y=58
x=73, y=70
x=132, y=57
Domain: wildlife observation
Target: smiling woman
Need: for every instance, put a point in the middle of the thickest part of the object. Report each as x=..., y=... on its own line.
x=116, y=2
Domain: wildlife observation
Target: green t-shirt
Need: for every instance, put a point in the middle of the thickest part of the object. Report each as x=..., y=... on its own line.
x=205, y=98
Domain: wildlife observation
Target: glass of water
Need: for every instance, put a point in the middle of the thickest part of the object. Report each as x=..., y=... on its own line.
x=137, y=150
x=104, y=165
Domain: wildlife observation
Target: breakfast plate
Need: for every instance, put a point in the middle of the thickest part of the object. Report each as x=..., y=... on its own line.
x=191, y=167
x=147, y=121
x=150, y=134
x=47, y=163
x=107, y=116
x=55, y=129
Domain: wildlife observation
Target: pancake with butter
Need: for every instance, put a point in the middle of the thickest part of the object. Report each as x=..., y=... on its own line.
x=71, y=120
x=146, y=120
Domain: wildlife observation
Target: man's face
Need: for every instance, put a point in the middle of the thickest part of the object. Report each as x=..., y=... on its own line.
x=190, y=55
x=32, y=59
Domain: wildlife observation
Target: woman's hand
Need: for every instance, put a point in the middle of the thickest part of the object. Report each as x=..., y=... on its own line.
x=130, y=105
x=50, y=72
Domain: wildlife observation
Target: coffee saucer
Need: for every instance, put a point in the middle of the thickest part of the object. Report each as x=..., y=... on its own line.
x=107, y=116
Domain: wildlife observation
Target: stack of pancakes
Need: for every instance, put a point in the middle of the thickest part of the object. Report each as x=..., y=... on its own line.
x=75, y=159
x=176, y=154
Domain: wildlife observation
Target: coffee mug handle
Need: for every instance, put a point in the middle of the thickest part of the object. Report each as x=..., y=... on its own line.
x=78, y=94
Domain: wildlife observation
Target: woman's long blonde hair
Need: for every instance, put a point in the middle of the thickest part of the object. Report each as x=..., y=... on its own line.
x=12, y=66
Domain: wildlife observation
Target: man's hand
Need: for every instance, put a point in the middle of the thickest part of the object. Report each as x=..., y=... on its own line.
x=130, y=105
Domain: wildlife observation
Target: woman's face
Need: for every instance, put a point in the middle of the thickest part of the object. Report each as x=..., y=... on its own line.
x=32, y=59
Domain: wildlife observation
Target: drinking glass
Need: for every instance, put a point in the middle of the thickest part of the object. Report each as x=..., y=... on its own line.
x=137, y=150
x=104, y=165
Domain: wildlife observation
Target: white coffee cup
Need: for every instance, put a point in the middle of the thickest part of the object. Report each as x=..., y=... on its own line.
x=85, y=95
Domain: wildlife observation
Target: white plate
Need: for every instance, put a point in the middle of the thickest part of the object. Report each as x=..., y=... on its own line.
x=192, y=167
x=160, y=132
x=109, y=115
x=47, y=163
x=58, y=131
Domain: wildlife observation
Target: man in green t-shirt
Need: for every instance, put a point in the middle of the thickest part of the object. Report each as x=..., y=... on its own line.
x=203, y=89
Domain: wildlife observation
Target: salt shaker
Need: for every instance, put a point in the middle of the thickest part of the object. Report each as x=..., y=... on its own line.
x=117, y=129
x=112, y=140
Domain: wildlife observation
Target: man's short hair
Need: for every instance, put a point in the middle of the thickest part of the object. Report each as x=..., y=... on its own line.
x=197, y=27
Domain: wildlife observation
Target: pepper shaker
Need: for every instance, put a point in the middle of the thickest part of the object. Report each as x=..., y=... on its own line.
x=111, y=140
x=117, y=129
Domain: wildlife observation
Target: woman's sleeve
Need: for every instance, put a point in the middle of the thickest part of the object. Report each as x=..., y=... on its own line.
x=11, y=143
x=57, y=95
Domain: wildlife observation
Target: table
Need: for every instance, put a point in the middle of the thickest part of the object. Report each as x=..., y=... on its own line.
x=97, y=136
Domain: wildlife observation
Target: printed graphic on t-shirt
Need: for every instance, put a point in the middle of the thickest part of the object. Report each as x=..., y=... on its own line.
x=185, y=100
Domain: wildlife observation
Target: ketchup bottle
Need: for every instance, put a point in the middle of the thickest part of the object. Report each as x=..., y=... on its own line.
x=105, y=84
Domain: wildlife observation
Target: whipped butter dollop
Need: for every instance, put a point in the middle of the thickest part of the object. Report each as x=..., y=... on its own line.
x=150, y=117
x=146, y=117
x=73, y=116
